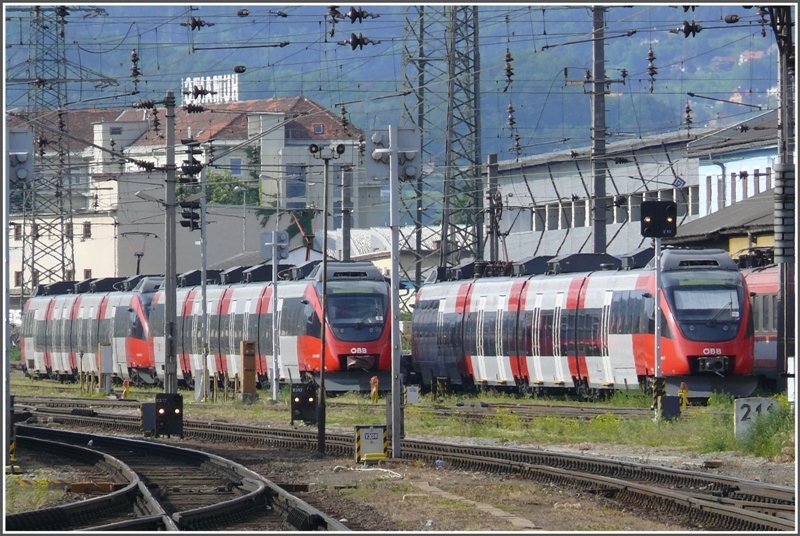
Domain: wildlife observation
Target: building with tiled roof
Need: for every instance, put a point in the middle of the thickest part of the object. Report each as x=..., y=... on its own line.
x=262, y=145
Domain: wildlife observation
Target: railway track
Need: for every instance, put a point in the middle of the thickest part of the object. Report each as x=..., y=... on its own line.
x=710, y=502
x=163, y=487
x=470, y=409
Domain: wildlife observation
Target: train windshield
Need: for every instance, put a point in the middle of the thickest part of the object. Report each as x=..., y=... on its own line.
x=357, y=317
x=707, y=307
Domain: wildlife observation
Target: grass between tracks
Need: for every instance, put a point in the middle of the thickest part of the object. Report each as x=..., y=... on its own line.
x=703, y=429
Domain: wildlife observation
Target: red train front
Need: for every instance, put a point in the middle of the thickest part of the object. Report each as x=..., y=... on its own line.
x=708, y=330
x=357, y=337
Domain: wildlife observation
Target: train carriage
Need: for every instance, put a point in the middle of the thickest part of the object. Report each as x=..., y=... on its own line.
x=763, y=283
x=69, y=326
x=591, y=331
x=33, y=346
x=357, y=336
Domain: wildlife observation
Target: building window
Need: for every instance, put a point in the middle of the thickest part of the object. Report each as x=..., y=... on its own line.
x=236, y=167
x=636, y=207
x=17, y=279
x=552, y=217
x=295, y=181
x=579, y=213
x=539, y=217
x=682, y=201
x=620, y=209
x=732, y=189
x=694, y=200
x=116, y=131
x=35, y=279
x=69, y=275
x=87, y=273
x=319, y=129
x=35, y=230
x=17, y=231
x=68, y=230
x=87, y=229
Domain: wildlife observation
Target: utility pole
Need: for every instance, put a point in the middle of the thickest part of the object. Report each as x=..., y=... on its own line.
x=347, y=211
x=599, y=129
x=326, y=154
x=785, y=197
x=203, y=280
x=170, y=298
x=492, y=195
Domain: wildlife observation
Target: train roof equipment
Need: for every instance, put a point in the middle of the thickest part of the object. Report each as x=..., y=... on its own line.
x=82, y=286
x=682, y=259
x=582, y=262
x=262, y=272
x=533, y=265
x=144, y=284
x=340, y=271
x=104, y=284
x=638, y=258
x=59, y=287
x=301, y=271
x=232, y=275
x=195, y=277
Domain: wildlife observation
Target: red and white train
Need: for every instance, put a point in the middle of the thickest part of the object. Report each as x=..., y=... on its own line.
x=65, y=333
x=590, y=332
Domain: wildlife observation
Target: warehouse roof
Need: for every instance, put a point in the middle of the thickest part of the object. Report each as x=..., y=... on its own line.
x=755, y=214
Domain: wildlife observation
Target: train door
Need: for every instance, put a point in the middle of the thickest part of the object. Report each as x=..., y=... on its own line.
x=122, y=323
x=80, y=335
x=233, y=338
x=534, y=353
x=593, y=338
x=288, y=352
x=560, y=363
x=59, y=342
x=198, y=357
x=478, y=359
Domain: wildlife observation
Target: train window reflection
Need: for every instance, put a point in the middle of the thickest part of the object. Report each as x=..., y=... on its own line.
x=720, y=304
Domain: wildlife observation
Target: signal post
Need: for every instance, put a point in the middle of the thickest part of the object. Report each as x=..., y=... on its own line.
x=659, y=220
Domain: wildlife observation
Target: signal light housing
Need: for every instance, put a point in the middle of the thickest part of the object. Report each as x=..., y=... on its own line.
x=659, y=219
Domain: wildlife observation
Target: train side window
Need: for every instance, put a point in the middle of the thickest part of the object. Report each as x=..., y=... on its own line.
x=771, y=312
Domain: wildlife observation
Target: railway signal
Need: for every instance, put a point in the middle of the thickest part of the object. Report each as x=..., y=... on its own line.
x=659, y=219
x=191, y=166
x=169, y=414
x=190, y=216
x=304, y=403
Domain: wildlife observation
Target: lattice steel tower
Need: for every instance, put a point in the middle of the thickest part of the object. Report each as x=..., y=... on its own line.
x=441, y=68
x=48, y=253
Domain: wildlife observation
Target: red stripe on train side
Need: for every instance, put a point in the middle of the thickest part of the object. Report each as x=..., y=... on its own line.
x=576, y=297
x=516, y=302
x=138, y=355
x=264, y=307
x=644, y=343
